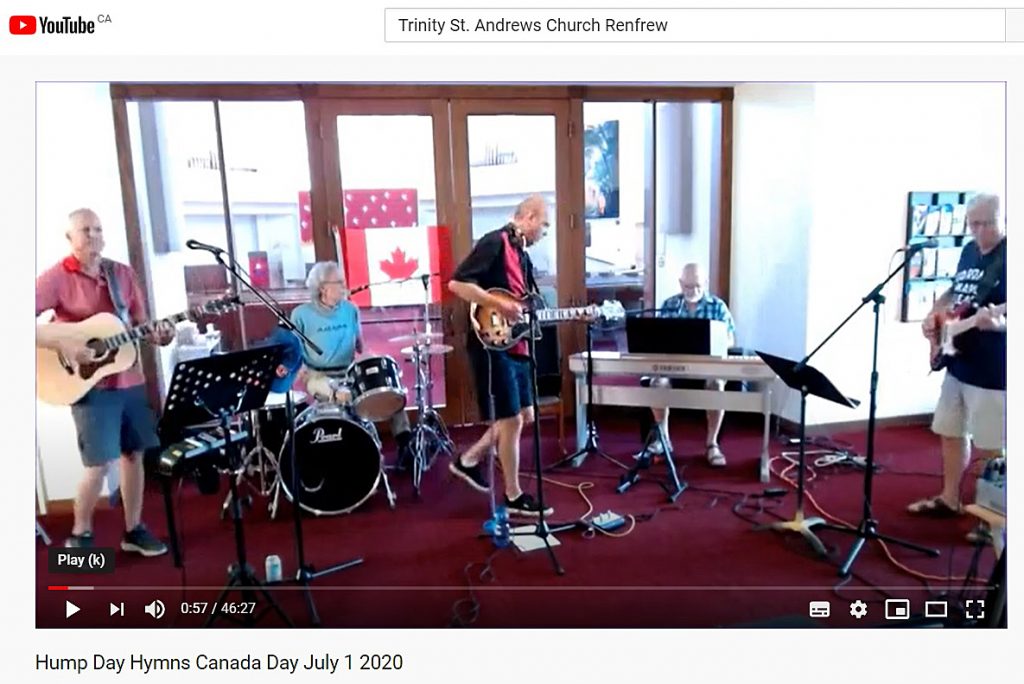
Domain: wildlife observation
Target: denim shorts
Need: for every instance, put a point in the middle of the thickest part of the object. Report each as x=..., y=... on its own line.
x=110, y=422
x=505, y=376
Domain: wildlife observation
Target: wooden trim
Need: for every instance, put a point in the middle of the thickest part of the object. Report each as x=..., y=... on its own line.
x=721, y=239
x=640, y=93
x=853, y=426
x=372, y=91
x=207, y=91
x=572, y=241
x=136, y=247
x=324, y=248
x=461, y=242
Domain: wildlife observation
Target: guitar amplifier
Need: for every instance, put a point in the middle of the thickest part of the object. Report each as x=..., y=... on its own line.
x=990, y=491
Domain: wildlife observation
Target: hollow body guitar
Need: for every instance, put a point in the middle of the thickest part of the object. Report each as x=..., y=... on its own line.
x=496, y=331
x=950, y=325
x=63, y=381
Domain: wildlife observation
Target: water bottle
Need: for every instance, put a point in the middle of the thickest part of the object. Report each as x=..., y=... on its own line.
x=497, y=528
x=502, y=533
x=273, y=566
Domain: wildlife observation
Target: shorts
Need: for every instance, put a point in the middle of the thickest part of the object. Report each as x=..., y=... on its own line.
x=974, y=412
x=507, y=377
x=110, y=422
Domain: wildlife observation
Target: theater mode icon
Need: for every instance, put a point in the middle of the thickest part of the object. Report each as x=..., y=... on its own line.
x=22, y=25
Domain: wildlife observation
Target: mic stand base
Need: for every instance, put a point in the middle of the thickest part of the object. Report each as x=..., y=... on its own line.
x=868, y=531
x=803, y=527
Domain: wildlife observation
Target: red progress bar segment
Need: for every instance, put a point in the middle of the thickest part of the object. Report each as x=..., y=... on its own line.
x=64, y=587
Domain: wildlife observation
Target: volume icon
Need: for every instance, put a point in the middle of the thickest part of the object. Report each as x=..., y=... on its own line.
x=156, y=609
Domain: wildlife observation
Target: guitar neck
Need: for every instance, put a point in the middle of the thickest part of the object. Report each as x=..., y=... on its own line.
x=138, y=332
x=564, y=314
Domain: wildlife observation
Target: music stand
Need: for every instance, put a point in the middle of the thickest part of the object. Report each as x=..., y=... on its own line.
x=806, y=380
x=220, y=387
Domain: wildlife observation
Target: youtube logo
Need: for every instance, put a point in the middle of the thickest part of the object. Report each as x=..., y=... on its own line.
x=22, y=25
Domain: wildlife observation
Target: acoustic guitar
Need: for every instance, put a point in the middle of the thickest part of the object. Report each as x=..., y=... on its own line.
x=496, y=332
x=949, y=326
x=63, y=381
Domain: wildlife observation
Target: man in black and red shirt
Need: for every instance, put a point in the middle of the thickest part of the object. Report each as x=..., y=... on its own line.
x=499, y=259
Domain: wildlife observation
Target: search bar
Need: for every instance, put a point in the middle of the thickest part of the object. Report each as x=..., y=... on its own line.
x=620, y=25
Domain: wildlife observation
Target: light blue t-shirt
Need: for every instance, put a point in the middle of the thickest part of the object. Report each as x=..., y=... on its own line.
x=335, y=331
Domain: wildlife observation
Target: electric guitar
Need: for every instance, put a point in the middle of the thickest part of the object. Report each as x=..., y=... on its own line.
x=63, y=381
x=495, y=331
x=950, y=325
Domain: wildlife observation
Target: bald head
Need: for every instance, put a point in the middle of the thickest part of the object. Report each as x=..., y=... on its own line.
x=691, y=282
x=531, y=218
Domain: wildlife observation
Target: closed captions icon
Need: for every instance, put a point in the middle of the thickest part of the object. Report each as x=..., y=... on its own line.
x=820, y=609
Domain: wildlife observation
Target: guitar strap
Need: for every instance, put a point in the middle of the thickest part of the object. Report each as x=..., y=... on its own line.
x=114, y=288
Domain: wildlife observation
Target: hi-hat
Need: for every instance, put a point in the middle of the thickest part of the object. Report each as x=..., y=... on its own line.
x=418, y=338
x=428, y=349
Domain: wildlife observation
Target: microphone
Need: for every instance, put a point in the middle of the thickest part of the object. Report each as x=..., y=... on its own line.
x=915, y=247
x=195, y=244
x=643, y=312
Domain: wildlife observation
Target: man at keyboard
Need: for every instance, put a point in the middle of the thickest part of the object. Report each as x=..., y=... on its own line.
x=694, y=301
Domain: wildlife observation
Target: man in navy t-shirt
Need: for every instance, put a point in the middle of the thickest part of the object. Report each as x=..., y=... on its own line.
x=972, y=404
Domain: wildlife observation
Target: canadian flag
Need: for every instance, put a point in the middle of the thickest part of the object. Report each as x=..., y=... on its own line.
x=380, y=255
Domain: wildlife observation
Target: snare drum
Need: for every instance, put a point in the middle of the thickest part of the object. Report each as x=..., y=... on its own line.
x=272, y=420
x=376, y=384
x=339, y=460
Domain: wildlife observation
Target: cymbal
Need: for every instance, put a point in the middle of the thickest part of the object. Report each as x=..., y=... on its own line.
x=418, y=337
x=429, y=349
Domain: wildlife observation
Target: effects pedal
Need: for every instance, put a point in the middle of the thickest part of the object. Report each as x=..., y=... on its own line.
x=608, y=521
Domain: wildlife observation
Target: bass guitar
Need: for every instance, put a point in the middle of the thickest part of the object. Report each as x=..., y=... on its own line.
x=63, y=381
x=949, y=326
x=496, y=331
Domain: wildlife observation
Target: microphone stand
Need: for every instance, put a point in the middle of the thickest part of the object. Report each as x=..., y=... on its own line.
x=868, y=527
x=305, y=573
x=591, y=445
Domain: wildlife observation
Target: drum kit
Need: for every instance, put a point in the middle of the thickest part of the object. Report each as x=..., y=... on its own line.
x=337, y=446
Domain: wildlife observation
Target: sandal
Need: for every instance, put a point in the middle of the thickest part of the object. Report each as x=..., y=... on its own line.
x=716, y=459
x=934, y=507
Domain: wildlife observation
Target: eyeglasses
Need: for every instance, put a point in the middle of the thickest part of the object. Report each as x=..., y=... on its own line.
x=981, y=224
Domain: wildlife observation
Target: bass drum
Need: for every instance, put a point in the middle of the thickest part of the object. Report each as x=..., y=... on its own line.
x=339, y=460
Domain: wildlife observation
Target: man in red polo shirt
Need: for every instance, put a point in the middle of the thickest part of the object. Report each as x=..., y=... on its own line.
x=113, y=420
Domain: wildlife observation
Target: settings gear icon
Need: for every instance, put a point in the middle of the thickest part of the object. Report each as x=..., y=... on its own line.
x=858, y=609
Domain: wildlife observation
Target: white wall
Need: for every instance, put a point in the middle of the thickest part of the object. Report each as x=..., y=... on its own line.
x=76, y=166
x=821, y=180
x=772, y=215
x=683, y=167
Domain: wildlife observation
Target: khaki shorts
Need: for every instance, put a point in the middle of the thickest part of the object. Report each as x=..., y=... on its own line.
x=974, y=412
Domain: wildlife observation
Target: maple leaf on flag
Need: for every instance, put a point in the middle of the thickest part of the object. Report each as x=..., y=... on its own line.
x=399, y=267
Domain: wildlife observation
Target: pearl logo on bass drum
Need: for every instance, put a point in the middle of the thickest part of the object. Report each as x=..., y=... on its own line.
x=320, y=436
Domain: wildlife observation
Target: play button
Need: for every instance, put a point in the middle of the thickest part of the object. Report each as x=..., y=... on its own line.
x=22, y=25
x=70, y=609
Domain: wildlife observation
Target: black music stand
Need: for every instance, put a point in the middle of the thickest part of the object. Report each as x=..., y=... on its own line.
x=806, y=380
x=220, y=387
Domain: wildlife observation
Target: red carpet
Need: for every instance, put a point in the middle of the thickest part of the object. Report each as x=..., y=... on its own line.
x=690, y=564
